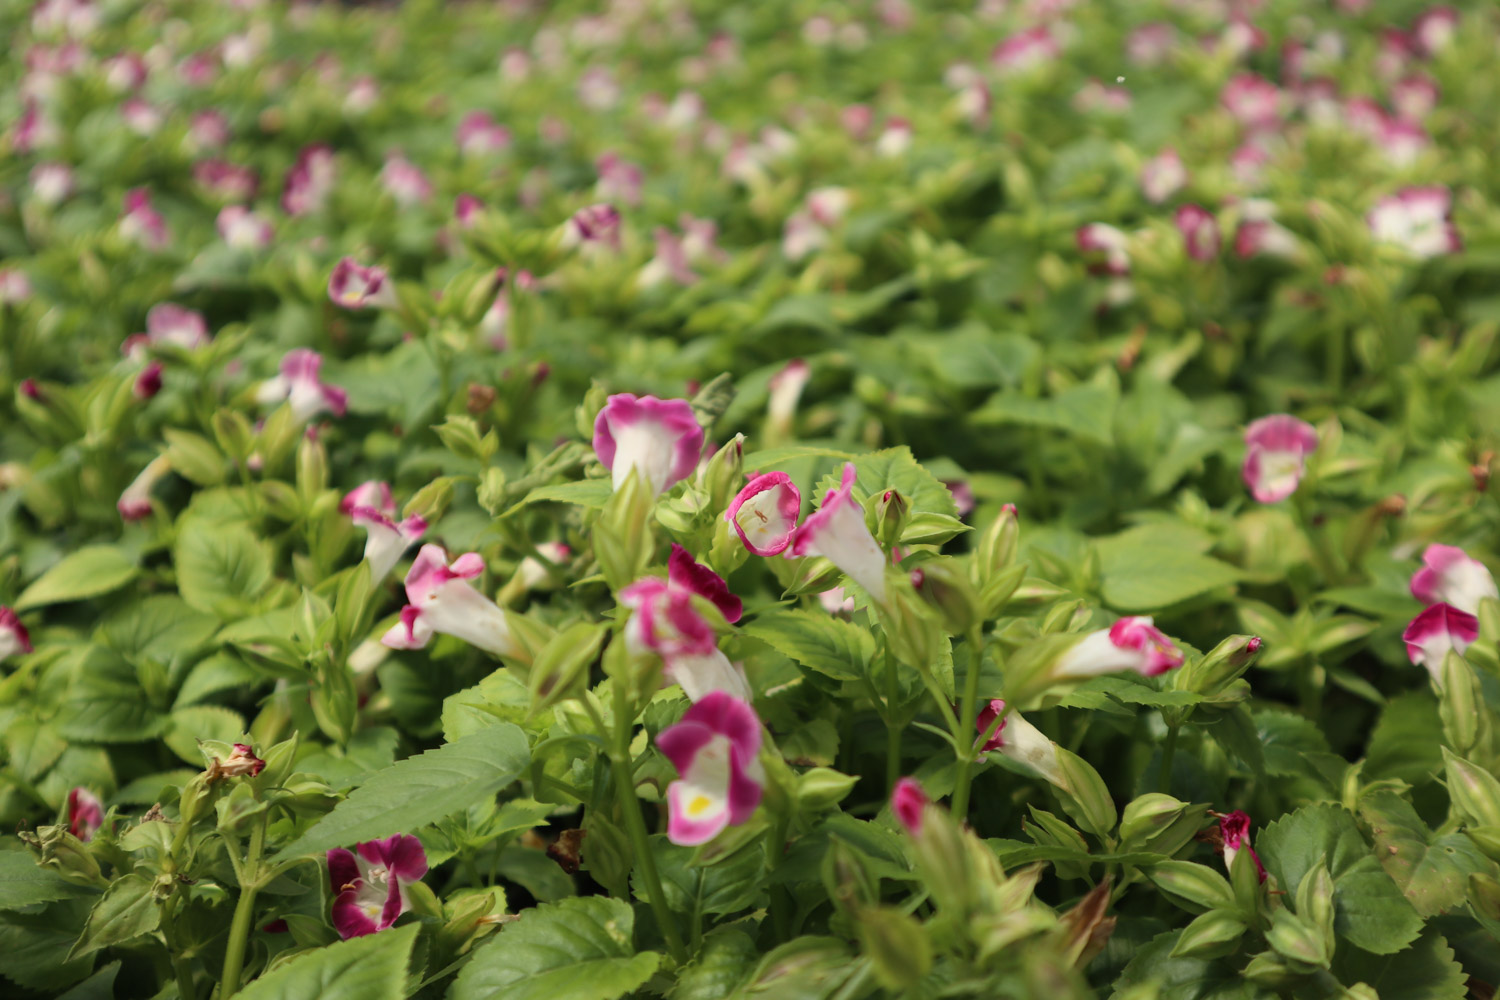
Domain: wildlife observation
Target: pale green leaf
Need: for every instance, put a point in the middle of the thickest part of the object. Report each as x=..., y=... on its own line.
x=830, y=646
x=363, y=968
x=89, y=572
x=24, y=882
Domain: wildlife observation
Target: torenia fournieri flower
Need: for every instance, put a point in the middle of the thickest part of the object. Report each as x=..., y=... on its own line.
x=1449, y=575
x=1277, y=456
x=85, y=814
x=1417, y=219
x=908, y=802
x=665, y=622
x=13, y=635
x=356, y=287
x=300, y=384
x=440, y=599
x=837, y=530
x=370, y=507
x=1019, y=740
x=135, y=502
x=168, y=324
x=1436, y=631
x=1234, y=834
x=764, y=513
x=1200, y=232
x=715, y=749
x=659, y=438
x=370, y=883
x=1133, y=643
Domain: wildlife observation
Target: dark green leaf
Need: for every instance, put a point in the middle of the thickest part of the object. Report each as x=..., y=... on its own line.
x=362, y=968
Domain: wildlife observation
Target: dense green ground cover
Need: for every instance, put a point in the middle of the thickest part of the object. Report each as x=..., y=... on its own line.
x=914, y=500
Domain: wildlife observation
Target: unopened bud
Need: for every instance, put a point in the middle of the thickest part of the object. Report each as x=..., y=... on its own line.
x=242, y=762
x=942, y=585
x=65, y=854
x=1474, y=791
x=1220, y=666
x=431, y=501
x=724, y=474
x=996, y=548
x=911, y=626
x=890, y=512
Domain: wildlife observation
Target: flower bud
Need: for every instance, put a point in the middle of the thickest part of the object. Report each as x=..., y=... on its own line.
x=1220, y=666
x=1461, y=704
x=1148, y=816
x=890, y=511
x=940, y=583
x=822, y=787
x=1084, y=794
x=1296, y=940
x=1475, y=791
x=911, y=626
x=241, y=762
x=897, y=945
x=722, y=477
x=431, y=502
x=996, y=549
x=1211, y=935
x=66, y=854
x=846, y=878
x=1196, y=886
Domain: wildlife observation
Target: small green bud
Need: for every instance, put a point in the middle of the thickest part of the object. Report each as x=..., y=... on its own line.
x=312, y=468
x=1475, y=791
x=65, y=854
x=1195, y=886
x=823, y=787
x=1220, y=666
x=897, y=945
x=940, y=583
x=1298, y=942
x=1211, y=935
x=431, y=502
x=888, y=512
x=996, y=549
x=1147, y=816
x=724, y=474
x=913, y=630
x=1084, y=795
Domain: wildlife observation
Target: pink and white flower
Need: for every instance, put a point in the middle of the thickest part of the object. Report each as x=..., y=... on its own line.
x=895, y=139
x=404, y=181
x=664, y=621
x=441, y=600
x=1449, y=575
x=479, y=134
x=1435, y=29
x=51, y=183
x=1248, y=163
x=716, y=751
x=208, y=130
x=466, y=209
x=386, y=539
x=1133, y=643
x=125, y=72
x=310, y=181
x=1098, y=97
x=619, y=180
x=1026, y=51
x=786, y=391
x=802, y=236
x=142, y=117
x=14, y=638
x=1414, y=96
x=1019, y=740
x=371, y=493
x=764, y=513
x=1234, y=833
x=1162, y=176
x=1254, y=101
x=1417, y=219
x=495, y=322
x=669, y=264
x=592, y=229
x=837, y=530
x=148, y=381
x=1437, y=631
x=369, y=883
x=1402, y=141
x=15, y=287
x=356, y=287
x=363, y=95
x=226, y=181
x=300, y=384
x=908, y=804
x=660, y=439
x=1200, y=232
x=168, y=324
x=1265, y=238
x=1277, y=456
x=135, y=502
x=141, y=224
x=243, y=229
x=85, y=813
x=1151, y=44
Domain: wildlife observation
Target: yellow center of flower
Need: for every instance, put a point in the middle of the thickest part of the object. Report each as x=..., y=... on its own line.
x=698, y=805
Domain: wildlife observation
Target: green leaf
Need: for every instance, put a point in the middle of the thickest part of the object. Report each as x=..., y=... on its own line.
x=726, y=958
x=770, y=458
x=591, y=493
x=805, y=968
x=727, y=886
x=162, y=628
x=89, y=572
x=105, y=702
x=897, y=469
x=373, y=967
x=1425, y=971
x=186, y=726
x=1084, y=411
x=221, y=568
x=830, y=646
x=222, y=671
x=34, y=947
x=421, y=789
x=1291, y=845
x=99, y=986
x=24, y=882
x=579, y=948
x=1402, y=745
x=1149, y=568
x=1433, y=873
x=127, y=911
x=1370, y=912
x=1182, y=978
x=33, y=747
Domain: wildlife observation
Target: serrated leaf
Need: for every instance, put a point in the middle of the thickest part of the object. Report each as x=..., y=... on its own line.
x=730, y=885
x=220, y=672
x=24, y=882
x=162, y=628
x=34, y=947
x=1150, y=567
x=830, y=646
x=1432, y=873
x=89, y=572
x=125, y=912
x=1370, y=912
x=1402, y=744
x=1181, y=978
x=186, y=726
x=726, y=958
x=33, y=747
x=105, y=702
x=373, y=967
x=1425, y=971
x=421, y=790
x=220, y=567
x=897, y=469
x=579, y=948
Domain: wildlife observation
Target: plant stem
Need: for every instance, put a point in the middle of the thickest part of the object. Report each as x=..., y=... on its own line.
x=182, y=969
x=635, y=824
x=892, y=729
x=1168, y=750
x=967, y=713
x=244, y=913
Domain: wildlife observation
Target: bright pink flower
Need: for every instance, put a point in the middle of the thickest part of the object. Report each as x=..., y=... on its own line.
x=659, y=438
x=665, y=622
x=310, y=181
x=386, y=539
x=33, y=130
x=356, y=287
x=1436, y=631
x=13, y=635
x=1264, y=238
x=226, y=181
x=1449, y=575
x=373, y=494
x=1200, y=232
x=441, y=600
x=837, y=530
x=480, y=135
x=1133, y=643
x=85, y=813
x=1162, y=176
x=141, y=224
x=404, y=181
x=369, y=883
x=908, y=803
x=716, y=751
x=1234, y=831
x=168, y=324
x=135, y=502
x=1019, y=740
x=1025, y=51
x=593, y=228
x=1277, y=456
x=1109, y=244
x=1396, y=51
x=300, y=383
x=1417, y=219
x=125, y=72
x=1402, y=141
x=764, y=513
x=243, y=229
x=986, y=717
x=466, y=209
x=1414, y=96
x=1253, y=100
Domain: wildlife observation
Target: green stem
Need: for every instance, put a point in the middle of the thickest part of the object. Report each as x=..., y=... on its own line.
x=1168, y=751
x=182, y=969
x=892, y=725
x=244, y=913
x=635, y=824
x=967, y=713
